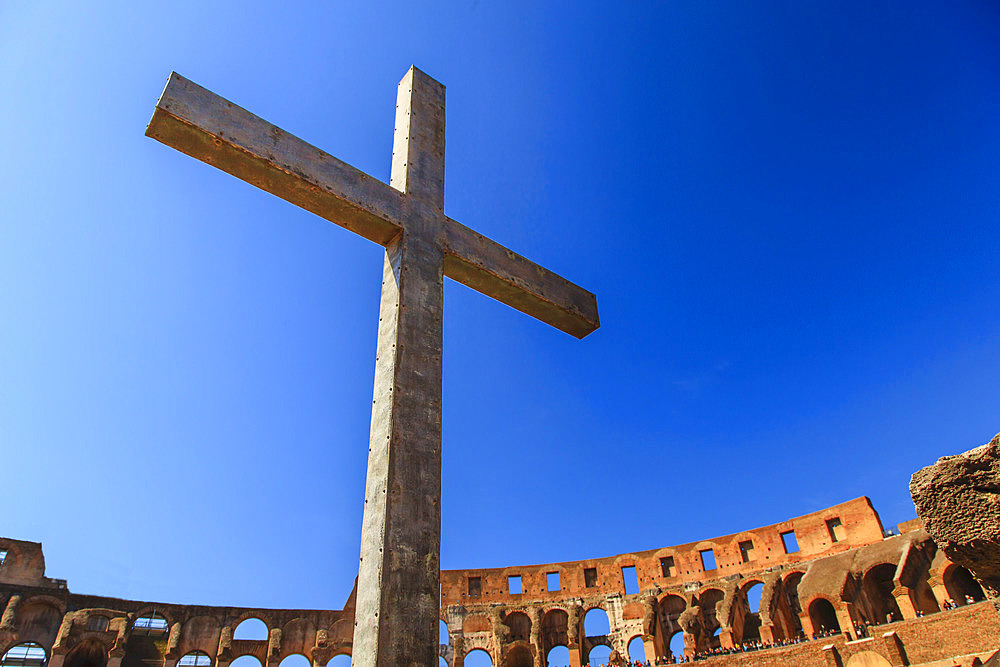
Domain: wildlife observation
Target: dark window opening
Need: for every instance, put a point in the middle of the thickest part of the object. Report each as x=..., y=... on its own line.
x=791, y=544
x=590, y=577
x=707, y=560
x=667, y=566
x=836, y=529
x=97, y=623
x=746, y=551
x=475, y=587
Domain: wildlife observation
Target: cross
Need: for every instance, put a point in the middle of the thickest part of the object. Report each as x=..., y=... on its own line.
x=398, y=604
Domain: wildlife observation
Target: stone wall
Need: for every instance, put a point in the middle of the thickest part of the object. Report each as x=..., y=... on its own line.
x=845, y=573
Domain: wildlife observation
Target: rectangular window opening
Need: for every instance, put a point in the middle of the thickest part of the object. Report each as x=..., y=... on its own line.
x=746, y=551
x=667, y=566
x=707, y=559
x=475, y=587
x=514, y=584
x=631, y=580
x=552, y=581
x=791, y=544
x=836, y=529
x=3, y=557
x=590, y=577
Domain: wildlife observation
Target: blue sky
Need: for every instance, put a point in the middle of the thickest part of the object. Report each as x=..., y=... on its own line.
x=787, y=210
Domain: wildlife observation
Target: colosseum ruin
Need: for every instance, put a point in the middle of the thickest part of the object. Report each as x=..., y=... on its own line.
x=829, y=588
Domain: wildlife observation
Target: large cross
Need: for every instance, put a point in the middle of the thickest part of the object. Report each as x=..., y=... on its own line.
x=398, y=596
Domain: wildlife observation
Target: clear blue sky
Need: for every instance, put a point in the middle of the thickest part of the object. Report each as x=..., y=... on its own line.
x=788, y=212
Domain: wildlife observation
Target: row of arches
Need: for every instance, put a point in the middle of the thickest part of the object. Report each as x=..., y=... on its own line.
x=558, y=656
x=91, y=653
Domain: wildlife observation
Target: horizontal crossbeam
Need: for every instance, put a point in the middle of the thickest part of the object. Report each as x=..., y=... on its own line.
x=209, y=128
x=488, y=267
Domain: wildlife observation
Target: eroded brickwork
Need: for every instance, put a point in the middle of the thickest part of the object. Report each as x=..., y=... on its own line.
x=845, y=574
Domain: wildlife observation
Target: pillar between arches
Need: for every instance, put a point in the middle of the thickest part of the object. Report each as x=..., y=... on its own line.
x=767, y=633
x=844, y=617
x=726, y=638
x=904, y=602
x=649, y=648
x=575, y=659
x=807, y=624
x=690, y=645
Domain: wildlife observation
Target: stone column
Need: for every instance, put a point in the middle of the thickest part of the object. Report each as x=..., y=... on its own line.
x=807, y=624
x=7, y=621
x=844, y=618
x=224, y=654
x=939, y=591
x=904, y=602
x=273, y=646
x=726, y=637
x=767, y=633
x=649, y=647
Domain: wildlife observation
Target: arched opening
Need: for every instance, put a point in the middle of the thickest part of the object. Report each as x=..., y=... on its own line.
x=195, y=659
x=599, y=655
x=519, y=624
x=341, y=660
x=478, y=658
x=785, y=608
x=88, y=653
x=38, y=622
x=876, y=589
x=251, y=628
x=753, y=594
x=555, y=628
x=746, y=613
x=558, y=657
x=823, y=617
x=444, y=639
x=519, y=656
x=251, y=661
x=295, y=660
x=709, y=603
x=671, y=607
x=25, y=654
x=960, y=583
x=596, y=623
x=442, y=662
x=676, y=645
x=637, y=650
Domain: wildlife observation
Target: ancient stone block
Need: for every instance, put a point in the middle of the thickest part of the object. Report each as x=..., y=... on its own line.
x=958, y=499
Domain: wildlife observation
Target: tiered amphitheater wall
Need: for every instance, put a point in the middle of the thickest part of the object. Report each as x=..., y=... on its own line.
x=845, y=573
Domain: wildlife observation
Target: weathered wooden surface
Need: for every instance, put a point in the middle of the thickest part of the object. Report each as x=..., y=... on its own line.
x=398, y=579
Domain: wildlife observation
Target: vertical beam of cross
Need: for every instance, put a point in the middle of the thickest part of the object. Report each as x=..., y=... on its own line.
x=397, y=603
